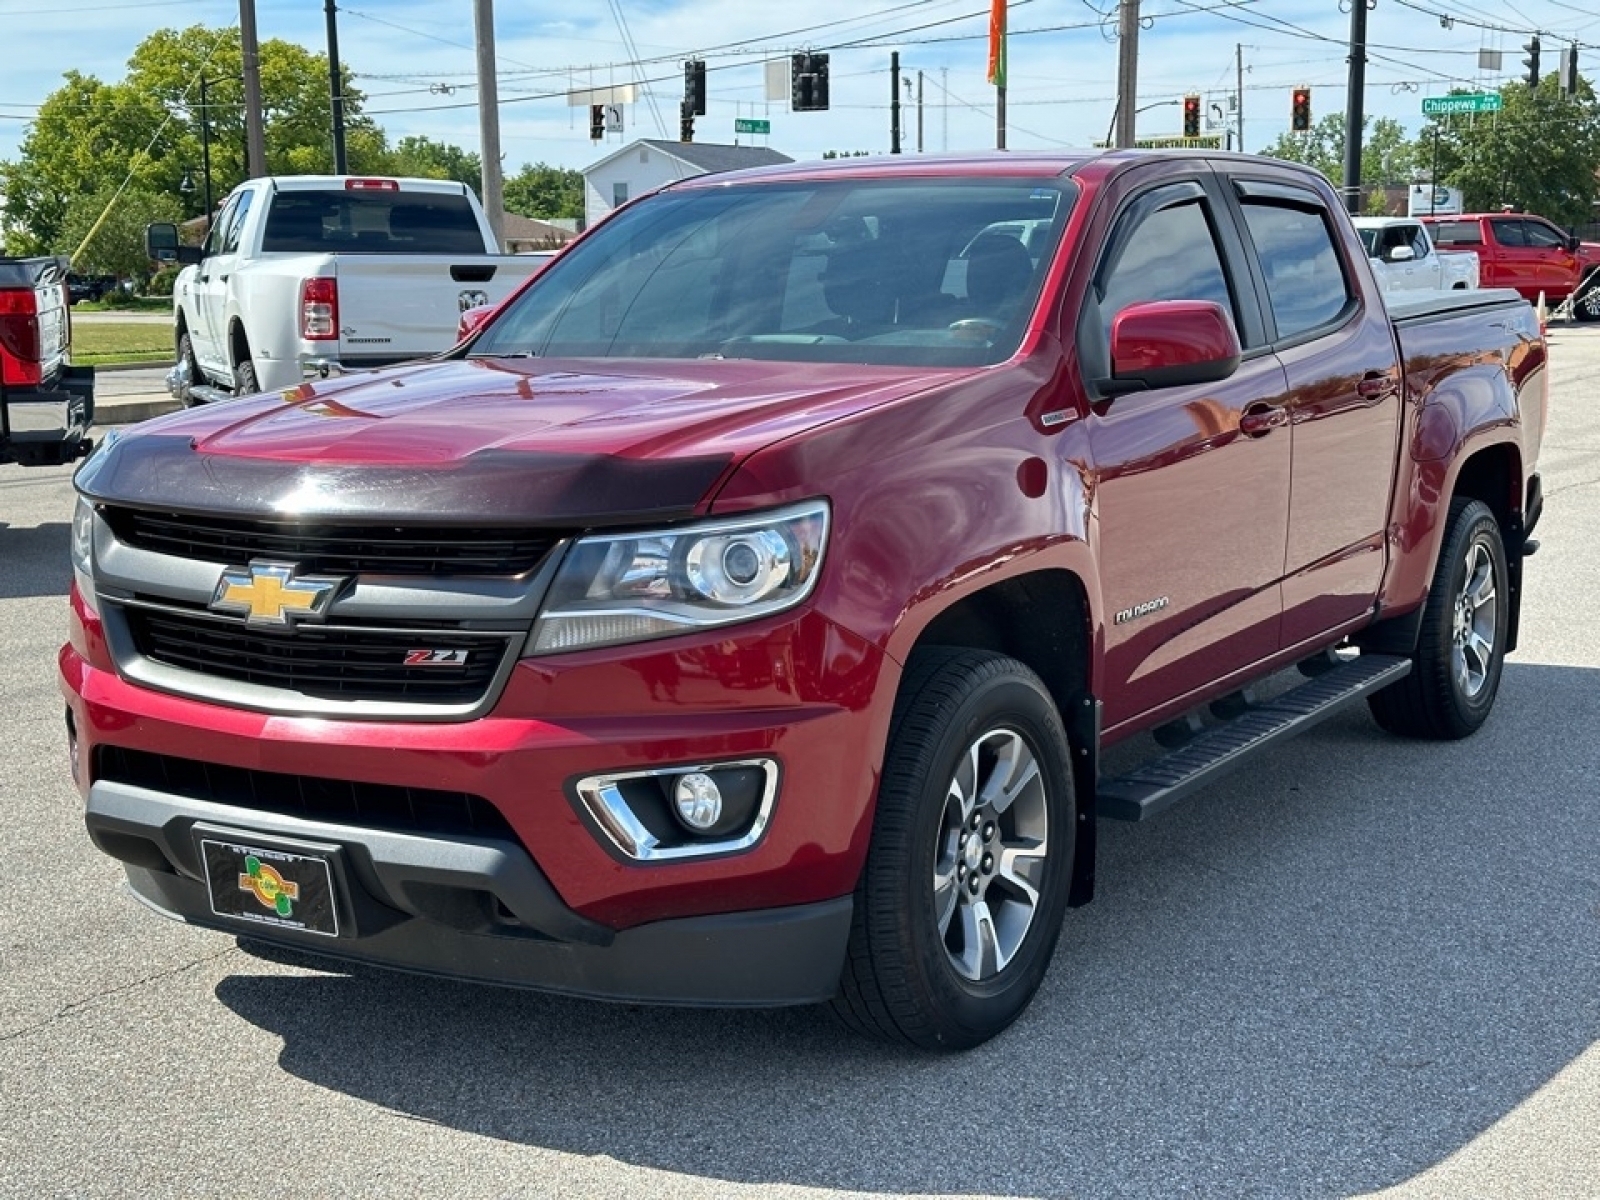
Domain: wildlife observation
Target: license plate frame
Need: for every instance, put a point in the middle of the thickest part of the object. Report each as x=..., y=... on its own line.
x=271, y=883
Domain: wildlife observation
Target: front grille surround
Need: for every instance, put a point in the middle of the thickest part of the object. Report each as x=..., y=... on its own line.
x=330, y=548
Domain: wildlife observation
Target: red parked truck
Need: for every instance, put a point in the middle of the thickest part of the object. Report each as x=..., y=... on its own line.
x=46, y=405
x=1528, y=253
x=739, y=615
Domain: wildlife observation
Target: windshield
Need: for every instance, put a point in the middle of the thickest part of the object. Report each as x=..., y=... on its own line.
x=919, y=272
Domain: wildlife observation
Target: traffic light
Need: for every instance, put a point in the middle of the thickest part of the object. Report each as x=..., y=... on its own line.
x=597, y=122
x=1300, y=110
x=1532, y=62
x=808, y=82
x=1569, y=70
x=1191, y=116
x=694, y=86
x=686, y=120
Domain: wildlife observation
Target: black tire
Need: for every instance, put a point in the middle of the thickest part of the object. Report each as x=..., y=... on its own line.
x=1586, y=307
x=902, y=981
x=1445, y=696
x=186, y=357
x=244, y=375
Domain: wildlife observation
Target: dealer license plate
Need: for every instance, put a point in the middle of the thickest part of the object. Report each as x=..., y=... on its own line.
x=270, y=887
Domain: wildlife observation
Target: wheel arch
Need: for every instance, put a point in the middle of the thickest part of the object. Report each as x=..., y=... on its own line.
x=1043, y=619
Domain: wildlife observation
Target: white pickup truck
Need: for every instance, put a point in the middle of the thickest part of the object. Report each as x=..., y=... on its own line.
x=1404, y=258
x=311, y=275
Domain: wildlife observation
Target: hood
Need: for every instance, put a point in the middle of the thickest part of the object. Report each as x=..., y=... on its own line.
x=492, y=441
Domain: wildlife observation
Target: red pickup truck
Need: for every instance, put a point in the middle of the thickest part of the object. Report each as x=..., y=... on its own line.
x=738, y=616
x=1527, y=253
x=46, y=405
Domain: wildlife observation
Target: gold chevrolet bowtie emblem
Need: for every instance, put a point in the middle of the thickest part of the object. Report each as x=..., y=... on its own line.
x=269, y=593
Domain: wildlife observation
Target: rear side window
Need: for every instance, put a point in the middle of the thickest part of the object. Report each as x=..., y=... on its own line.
x=371, y=223
x=1457, y=233
x=1305, y=280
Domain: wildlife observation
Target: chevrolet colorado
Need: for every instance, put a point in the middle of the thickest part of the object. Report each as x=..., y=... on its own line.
x=739, y=614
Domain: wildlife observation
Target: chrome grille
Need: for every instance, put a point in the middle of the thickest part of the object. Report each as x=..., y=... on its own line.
x=332, y=548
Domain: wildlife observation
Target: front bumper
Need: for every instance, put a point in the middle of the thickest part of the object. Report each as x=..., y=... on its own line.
x=478, y=909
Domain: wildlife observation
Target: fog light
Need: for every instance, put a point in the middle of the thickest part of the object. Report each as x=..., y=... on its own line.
x=697, y=800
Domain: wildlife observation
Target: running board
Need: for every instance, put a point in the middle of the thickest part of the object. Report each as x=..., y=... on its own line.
x=1161, y=783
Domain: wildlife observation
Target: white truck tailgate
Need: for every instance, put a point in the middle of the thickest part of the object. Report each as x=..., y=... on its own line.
x=408, y=305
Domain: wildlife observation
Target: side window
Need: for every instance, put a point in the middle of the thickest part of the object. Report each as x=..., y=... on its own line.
x=1457, y=233
x=234, y=228
x=1543, y=237
x=619, y=194
x=1171, y=254
x=1509, y=233
x=1419, y=241
x=1306, y=286
x=219, y=226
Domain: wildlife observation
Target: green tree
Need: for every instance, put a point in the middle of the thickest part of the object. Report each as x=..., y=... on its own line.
x=1388, y=157
x=1538, y=154
x=540, y=190
x=89, y=134
x=117, y=245
x=427, y=159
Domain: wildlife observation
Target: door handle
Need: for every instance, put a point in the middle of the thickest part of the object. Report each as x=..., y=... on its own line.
x=205, y=279
x=1376, y=386
x=1261, y=419
x=222, y=278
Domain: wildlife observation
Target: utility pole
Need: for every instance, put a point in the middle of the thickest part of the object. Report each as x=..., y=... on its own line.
x=494, y=199
x=1238, y=110
x=944, y=110
x=919, y=112
x=894, y=102
x=1353, y=114
x=335, y=89
x=255, y=137
x=205, y=146
x=1127, y=74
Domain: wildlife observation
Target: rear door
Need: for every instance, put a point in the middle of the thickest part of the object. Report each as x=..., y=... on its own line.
x=1332, y=335
x=1191, y=512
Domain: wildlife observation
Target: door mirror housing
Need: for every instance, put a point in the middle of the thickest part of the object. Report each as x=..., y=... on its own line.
x=1170, y=343
x=1574, y=242
x=161, y=245
x=473, y=320
x=1402, y=254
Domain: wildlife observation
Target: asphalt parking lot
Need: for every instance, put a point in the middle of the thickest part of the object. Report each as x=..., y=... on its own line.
x=1361, y=964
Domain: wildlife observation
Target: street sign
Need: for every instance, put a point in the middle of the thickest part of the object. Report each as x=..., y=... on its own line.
x=1477, y=102
x=751, y=125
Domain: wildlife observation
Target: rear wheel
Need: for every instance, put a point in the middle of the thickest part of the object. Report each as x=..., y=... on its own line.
x=1455, y=672
x=244, y=374
x=960, y=903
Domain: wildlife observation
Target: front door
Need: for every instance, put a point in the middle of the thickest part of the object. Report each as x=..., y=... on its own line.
x=1191, y=512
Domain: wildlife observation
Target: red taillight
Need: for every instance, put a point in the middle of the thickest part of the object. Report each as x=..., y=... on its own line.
x=19, y=336
x=372, y=185
x=319, y=309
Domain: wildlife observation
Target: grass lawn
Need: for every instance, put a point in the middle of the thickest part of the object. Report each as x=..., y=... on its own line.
x=115, y=342
x=158, y=304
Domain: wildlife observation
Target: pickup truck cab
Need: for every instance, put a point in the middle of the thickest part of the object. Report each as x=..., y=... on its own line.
x=305, y=276
x=740, y=614
x=46, y=405
x=1404, y=259
x=1524, y=252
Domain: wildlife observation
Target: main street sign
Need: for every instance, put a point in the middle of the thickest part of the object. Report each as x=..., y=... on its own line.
x=751, y=125
x=1476, y=102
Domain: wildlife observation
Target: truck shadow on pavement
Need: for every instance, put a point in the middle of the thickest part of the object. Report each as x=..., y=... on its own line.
x=1321, y=977
x=34, y=560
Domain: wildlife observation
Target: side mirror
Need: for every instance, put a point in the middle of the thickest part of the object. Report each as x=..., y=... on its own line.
x=474, y=319
x=1573, y=242
x=1402, y=254
x=1170, y=343
x=161, y=245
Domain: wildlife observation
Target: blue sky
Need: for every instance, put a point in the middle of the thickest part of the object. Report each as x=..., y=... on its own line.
x=408, y=55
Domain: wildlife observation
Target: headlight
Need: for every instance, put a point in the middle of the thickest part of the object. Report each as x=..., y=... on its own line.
x=616, y=588
x=83, y=551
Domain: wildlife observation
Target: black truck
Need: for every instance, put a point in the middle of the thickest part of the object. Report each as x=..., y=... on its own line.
x=46, y=404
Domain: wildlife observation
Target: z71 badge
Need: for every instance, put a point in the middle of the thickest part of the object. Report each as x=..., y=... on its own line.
x=436, y=658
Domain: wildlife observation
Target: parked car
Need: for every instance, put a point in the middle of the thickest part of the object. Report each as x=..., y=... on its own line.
x=1404, y=259
x=46, y=405
x=739, y=615
x=306, y=276
x=1525, y=252
x=90, y=287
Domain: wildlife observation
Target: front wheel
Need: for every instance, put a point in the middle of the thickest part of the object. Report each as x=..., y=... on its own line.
x=1587, y=306
x=1455, y=672
x=961, y=900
